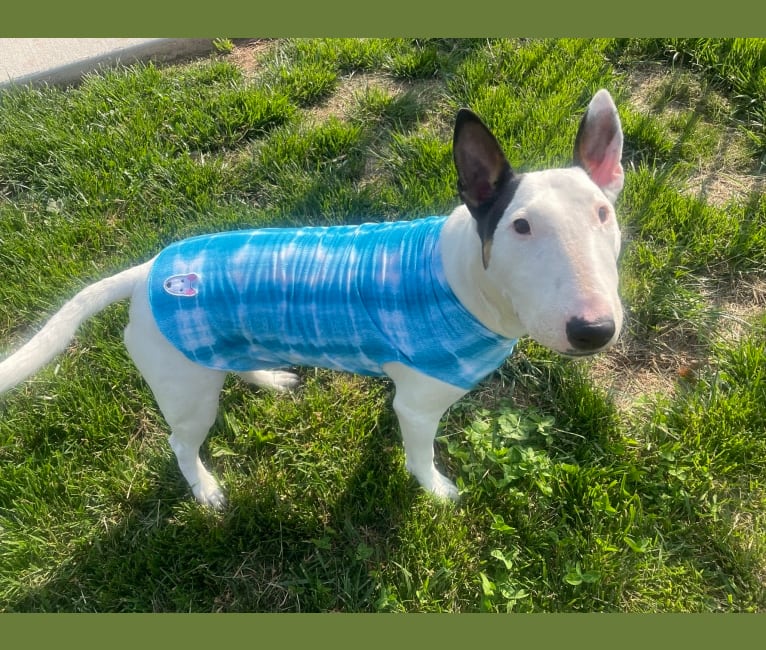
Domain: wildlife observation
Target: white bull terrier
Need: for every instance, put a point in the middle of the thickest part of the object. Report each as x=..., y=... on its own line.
x=436, y=304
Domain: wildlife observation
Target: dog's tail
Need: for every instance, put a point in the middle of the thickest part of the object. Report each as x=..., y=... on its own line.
x=60, y=329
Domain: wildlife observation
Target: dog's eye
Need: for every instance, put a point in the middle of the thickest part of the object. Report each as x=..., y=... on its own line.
x=603, y=214
x=521, y=226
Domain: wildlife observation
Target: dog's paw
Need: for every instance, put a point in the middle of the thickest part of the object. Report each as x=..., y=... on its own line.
x=209, y=493
x=279, y=380
x=443, y=488
x=438, y=485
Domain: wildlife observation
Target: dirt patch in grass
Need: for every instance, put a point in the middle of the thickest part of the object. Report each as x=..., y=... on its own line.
x=634, y=369
x=355, y=85
x=739, y=302
x=248, y=52
x=731, y=171
x=638, y=368
x=349, y=89
x=248, y=56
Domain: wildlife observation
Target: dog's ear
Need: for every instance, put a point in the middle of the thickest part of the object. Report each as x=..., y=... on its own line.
x=483, y=173
x=598, y=145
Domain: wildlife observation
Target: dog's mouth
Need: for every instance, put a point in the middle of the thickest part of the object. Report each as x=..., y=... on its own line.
x=576, y=354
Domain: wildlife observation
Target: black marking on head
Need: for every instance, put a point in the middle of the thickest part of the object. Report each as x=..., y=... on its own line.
x=487, y=216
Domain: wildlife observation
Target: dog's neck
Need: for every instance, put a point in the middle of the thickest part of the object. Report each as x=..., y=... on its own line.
x=468, y=279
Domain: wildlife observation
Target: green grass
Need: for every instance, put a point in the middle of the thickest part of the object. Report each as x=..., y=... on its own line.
x=633, y=483
x=736, y=65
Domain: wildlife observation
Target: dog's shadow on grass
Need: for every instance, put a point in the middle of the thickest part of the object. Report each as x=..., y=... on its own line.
x=266, y=552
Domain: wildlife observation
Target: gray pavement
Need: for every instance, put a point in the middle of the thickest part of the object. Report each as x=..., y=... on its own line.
x=63, y=61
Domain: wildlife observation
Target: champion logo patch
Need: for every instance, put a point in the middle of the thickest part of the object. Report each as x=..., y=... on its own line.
x=184, y=285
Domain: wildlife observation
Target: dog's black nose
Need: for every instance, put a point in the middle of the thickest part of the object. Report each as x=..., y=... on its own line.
x=586, y=336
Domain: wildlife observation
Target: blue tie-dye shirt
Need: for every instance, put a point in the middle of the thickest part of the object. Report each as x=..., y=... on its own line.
x=349, y=298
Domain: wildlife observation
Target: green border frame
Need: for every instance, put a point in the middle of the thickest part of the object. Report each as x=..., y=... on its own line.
x=341, y=631
x=389, y=18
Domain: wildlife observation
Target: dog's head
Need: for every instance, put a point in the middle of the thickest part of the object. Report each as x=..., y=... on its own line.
x=549, y=240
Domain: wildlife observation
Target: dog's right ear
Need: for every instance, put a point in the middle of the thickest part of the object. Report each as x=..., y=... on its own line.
x=598, y=144
x=483, y=174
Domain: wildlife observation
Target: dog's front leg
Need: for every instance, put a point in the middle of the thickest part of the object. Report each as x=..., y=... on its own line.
x=419, y=404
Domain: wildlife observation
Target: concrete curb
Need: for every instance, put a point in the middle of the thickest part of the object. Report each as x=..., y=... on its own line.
x=63, y=62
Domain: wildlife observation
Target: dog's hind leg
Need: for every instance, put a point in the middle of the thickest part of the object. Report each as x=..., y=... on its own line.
x=186, y=393
x=419, y=403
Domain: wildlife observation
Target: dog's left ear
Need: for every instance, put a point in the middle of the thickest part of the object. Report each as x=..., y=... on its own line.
x=484, y=175
x=598, y=145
